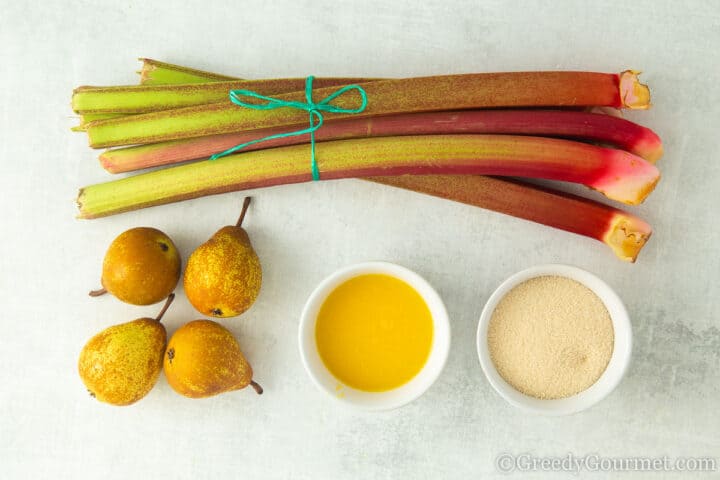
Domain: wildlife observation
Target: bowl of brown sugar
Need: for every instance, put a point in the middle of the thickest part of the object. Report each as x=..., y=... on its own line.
x=554, y=339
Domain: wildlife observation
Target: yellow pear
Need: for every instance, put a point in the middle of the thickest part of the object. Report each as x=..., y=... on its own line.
x=204, y=359
x=121, y=364
x=223, y=275
x=141, y=267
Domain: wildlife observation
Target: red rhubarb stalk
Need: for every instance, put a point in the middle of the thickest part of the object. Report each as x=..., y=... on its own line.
x=557, y=123
x=623, y=232
x=529, y=88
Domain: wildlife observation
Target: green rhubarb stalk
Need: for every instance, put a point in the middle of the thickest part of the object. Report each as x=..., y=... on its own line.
x=618, y=174
x=154, y=72
x=557, y=123
x=91, y=117
x=151, y=98
x=623, y=232
x=522, y=89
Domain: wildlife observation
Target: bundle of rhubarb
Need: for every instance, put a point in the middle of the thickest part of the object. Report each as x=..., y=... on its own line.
x=439, y=135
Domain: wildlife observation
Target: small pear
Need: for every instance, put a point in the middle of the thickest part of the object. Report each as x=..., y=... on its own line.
x=141, y=267
x=204, y=359
x=223, y=275
x=121, y=364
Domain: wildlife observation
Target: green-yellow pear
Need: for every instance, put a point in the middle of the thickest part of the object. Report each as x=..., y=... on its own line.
x=121, y=364
x=223, y=275
x=204, y=359
x=141, y=267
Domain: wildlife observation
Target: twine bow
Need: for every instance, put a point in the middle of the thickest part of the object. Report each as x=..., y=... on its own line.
x=313, y=108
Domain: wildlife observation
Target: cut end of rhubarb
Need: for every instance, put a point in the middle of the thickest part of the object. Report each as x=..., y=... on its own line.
x=146, y=70
x=648, y=189
x=79, y=202
x=627, y=235
x=628, y=179
x=633, y=94
x=106, y=161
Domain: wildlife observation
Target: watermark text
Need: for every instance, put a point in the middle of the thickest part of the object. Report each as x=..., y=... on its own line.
x=571, y=463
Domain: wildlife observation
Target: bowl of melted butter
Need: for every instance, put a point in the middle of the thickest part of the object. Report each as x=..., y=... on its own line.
x=374, y=335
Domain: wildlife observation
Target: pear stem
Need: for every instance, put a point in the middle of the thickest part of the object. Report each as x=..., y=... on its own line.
x=246, y=204
x=169, y=300
x=256, y=386
x=97, y=293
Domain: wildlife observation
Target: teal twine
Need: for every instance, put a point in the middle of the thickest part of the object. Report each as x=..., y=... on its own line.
x=314, y=110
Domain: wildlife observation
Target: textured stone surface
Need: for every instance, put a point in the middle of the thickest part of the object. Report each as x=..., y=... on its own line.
x=667, y=405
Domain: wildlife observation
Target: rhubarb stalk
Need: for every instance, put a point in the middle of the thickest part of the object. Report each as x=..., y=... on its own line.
x=617, y=174
x=92, y=117
x=623, y=232
x=591, y=126
x=151, y=98
x=523, y=89
x=154, y=72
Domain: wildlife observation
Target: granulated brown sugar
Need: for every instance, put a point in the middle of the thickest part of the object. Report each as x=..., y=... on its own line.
x=550, y=337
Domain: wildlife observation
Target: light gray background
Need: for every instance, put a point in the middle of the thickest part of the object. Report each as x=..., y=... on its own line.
x=50, y=428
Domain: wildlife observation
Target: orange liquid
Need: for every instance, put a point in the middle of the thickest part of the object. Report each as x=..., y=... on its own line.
x=374, y=332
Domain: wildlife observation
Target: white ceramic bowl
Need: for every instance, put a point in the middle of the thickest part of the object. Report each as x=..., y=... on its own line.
x=389, y=399
x=610, y=378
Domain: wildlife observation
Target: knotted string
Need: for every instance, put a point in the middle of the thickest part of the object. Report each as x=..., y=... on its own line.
x=314, y=110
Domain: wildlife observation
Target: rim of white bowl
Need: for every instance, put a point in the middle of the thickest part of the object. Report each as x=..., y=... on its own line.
x=610, y=378
x=389, y=399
